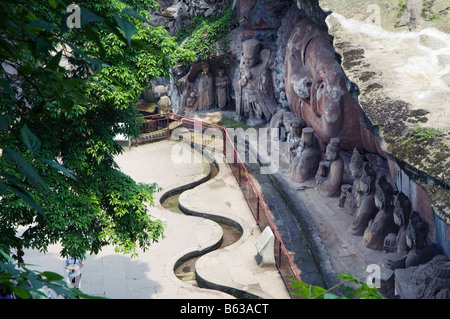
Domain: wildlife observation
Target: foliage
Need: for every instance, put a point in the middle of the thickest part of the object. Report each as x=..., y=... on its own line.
x=362, y=290
x=425, y=133
x=17, y=281
x=65, y=93
x=202, y=34
x=401, y=8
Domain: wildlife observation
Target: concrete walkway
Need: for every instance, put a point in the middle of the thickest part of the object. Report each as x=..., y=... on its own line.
x=233, y=269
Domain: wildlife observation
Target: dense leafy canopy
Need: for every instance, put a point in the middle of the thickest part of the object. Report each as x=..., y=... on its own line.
x=65, y=93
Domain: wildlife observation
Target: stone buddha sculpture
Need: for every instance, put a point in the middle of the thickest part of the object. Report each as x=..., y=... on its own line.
x=330, y=172
x=253, y=83
x=305, y=165
x=349, y=193
x=383, y=223
x=416, y=239
x=204, y=88
x=366, y=208
x=294, y=139
x=222, y=83
x=402, y=212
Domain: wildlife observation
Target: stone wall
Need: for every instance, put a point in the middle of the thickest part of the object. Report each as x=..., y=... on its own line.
x=375, y=117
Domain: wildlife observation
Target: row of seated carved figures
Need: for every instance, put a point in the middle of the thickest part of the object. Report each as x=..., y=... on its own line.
x=381, y=215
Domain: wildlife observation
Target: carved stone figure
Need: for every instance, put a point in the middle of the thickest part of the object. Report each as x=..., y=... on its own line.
x=306, y=163
x=416, y=238
x=204, y=88
x=280, y=121
x=317, y=88
x=383, y=223
x=432, y=280
x=222, y=83
x=253, y=86
x=349, y=193
x=330, y=172
x=190, y=101
x=402, y=212
x=366, y=208
x=294, y=139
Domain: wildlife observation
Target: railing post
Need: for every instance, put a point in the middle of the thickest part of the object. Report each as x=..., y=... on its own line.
x=257, y=210
x=224, y=137
x=279, y=253
x=168, y=129
x=239, y=176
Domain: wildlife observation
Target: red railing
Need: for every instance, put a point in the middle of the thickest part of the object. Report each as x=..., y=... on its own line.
x=216, y=137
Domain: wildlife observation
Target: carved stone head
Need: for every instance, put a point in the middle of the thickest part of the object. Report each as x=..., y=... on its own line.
x=402, y=210
x=365, y=182
x=308, y=137
x=297, y=125
x=417, y=231
x=356, y=163
x=383, y=193
x=332, y=150
x=251, y=50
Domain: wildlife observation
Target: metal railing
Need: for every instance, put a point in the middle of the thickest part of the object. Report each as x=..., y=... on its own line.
x=216, y=137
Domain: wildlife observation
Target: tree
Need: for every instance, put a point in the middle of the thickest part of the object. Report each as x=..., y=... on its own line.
x=65, y=93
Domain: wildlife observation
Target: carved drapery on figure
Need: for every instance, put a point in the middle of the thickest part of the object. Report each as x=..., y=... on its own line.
x=416, y=238
x=383, y=223
x=253, y=83
x=364, y=201
x=349, y=193
x=330, y=172
x=222, y=83
x=294, y=139
x=305, y=165
x=204, y=88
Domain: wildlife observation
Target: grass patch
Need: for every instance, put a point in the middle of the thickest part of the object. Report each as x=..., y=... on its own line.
x=425, y=133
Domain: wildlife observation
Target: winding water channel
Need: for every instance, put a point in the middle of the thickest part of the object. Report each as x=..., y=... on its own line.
x=185, y=268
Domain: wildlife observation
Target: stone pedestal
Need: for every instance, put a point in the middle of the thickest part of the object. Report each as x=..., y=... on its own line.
x=265, y=247
x=387, y=283
x=394, y=261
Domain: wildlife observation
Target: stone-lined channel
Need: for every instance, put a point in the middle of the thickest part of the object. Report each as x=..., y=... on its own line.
x=185, y=268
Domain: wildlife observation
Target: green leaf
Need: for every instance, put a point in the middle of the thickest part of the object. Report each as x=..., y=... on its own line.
x=52, y=276
x=127, y=27
x=52, y=3
x=3, y=188
x=28, y=199
x=31, y=141
x=54, y=61
x=27, y=169
x=134, y=13
x=93, y=36
x=5, y=84
x=329, y=295
x=20, y=292
x=59, y=167
x=88, y=16
x=43, y=25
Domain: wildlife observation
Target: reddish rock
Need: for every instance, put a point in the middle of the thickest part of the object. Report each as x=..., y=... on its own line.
x=316, y=87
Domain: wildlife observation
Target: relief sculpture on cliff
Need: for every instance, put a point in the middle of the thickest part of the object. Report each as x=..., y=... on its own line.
x=253, y=84
x=318, y=89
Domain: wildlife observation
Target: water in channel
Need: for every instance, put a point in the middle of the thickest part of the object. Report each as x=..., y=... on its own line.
x=186, y=270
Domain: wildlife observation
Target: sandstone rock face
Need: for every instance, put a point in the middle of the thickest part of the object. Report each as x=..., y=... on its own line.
x=318, y=89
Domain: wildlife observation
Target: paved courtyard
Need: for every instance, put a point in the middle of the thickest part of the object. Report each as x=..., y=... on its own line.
x=151, y=275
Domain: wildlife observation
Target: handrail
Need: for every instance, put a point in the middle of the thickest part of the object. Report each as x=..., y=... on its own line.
x=165, y=117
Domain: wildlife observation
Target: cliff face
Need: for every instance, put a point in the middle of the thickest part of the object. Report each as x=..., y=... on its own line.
x=395, y=65
x=399, y=59
x=396, y=60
